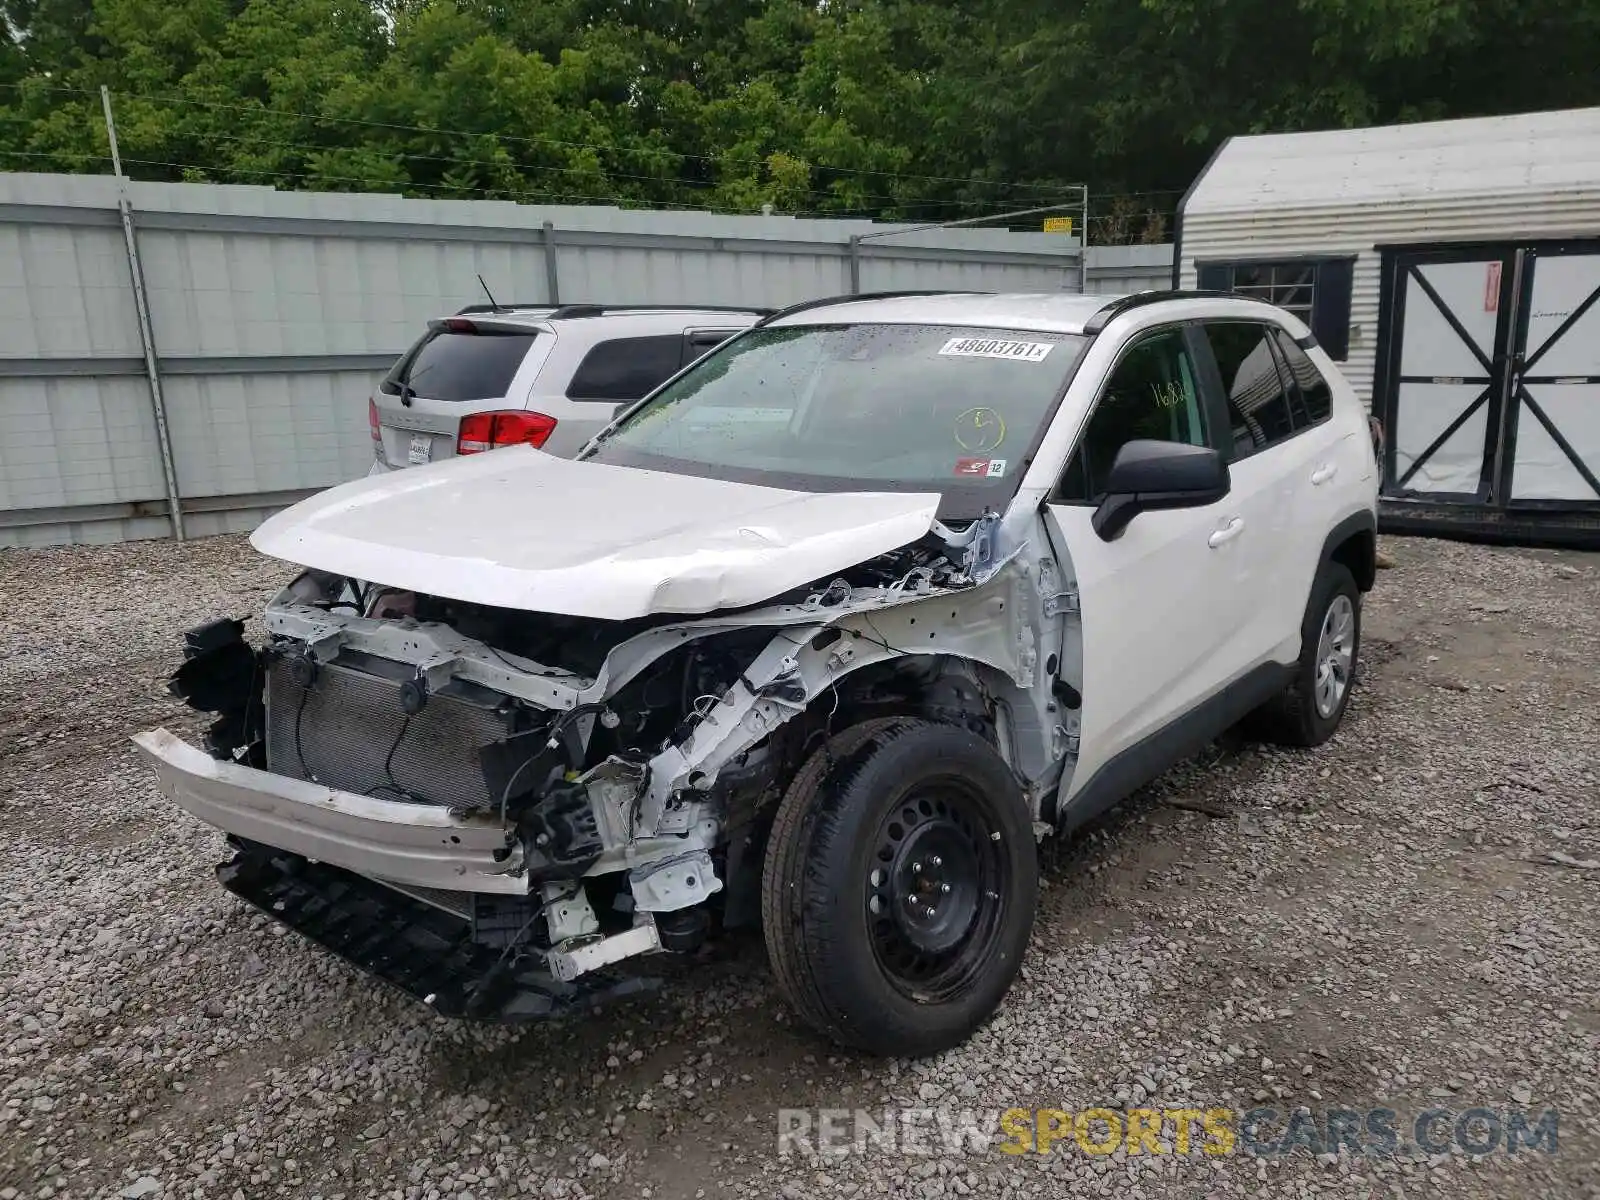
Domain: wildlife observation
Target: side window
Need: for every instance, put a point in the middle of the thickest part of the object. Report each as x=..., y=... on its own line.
x=1308, y=381
x=1258, y=398
x=1153, y=393
x=626, y=368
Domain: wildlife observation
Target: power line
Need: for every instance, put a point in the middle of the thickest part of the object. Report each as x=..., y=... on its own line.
x=307, y=148
x=490, y=192
x=259, y=110
x=533, y=168
x=319, y=178
x=78, y=154
x=1101, y=219
x=1104, y=222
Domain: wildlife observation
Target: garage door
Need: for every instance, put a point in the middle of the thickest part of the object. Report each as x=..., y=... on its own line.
x=1493, y=392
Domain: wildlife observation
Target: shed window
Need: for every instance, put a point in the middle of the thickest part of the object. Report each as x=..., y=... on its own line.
x=1315, y=290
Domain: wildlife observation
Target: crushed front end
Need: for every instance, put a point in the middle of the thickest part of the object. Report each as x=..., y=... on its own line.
x=489, y=808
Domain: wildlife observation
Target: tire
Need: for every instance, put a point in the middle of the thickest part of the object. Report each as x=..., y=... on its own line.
x=1309, y=710
x=850, y=837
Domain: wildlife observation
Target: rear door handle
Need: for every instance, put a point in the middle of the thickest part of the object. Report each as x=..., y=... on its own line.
x=1227, y=533
x=1324, y=473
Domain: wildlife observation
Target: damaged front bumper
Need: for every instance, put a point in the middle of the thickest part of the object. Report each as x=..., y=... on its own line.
x=419, y=948
x=406, y=892
x=413, y=845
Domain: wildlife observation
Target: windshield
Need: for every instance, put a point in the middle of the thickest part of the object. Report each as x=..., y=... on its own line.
x=924, y=408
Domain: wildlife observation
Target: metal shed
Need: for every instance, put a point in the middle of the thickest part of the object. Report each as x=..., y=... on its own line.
x=1453, y=269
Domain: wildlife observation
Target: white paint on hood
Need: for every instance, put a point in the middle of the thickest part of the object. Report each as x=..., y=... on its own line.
x=522, y=529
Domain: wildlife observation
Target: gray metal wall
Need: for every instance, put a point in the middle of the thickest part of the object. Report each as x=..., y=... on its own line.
x=274, y=314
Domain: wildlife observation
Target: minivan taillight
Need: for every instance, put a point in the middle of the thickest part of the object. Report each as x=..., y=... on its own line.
x=491, y=430
x=377, y=430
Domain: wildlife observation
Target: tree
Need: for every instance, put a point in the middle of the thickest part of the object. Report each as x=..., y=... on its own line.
x=910, y=109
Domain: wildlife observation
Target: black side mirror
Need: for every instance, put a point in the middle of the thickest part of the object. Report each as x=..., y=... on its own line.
x=1149, y=475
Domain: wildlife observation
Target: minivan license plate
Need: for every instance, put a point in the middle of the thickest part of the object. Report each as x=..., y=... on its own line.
x=421, y=449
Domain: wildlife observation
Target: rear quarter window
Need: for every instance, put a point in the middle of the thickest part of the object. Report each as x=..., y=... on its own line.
x=1314, y=389
x=1256, y=392
x=451, y=365
x=626, y=368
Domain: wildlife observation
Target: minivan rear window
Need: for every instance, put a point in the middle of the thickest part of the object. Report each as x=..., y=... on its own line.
x=453, y=365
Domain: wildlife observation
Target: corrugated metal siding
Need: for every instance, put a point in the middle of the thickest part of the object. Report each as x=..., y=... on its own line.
x=1535, y=155
x=70, y=442
x=247, y=271
x=64, y=291
x=246, y=434
x=908, y=274
x=1117, y=270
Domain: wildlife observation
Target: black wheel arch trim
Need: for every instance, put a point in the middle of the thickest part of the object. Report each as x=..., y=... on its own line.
x=1365, y=521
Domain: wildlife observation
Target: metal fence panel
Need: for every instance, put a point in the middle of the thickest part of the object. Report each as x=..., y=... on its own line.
x=76, y=441
x=64, y=291
x=1120, y=269
x=246, y=434
x=274, y=314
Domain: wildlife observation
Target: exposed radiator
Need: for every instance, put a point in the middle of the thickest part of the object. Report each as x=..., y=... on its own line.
x=348, y=731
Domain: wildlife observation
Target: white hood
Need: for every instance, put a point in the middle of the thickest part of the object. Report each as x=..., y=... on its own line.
x=522, y=529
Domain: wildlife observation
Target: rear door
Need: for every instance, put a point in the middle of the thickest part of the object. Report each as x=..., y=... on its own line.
x=1285, y=464
x=459, y=367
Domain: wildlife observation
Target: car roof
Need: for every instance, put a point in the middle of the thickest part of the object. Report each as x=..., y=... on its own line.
x=1054, y=312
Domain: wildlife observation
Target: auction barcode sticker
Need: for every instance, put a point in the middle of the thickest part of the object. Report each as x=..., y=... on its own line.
x=972, y=347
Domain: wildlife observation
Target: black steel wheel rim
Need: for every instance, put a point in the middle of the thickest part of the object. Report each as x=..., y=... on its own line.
x=935, y=890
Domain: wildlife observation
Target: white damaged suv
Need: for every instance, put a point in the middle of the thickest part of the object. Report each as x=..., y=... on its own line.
x=821, y=637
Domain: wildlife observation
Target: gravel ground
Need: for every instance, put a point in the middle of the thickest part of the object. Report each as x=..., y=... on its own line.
x=1408, y=918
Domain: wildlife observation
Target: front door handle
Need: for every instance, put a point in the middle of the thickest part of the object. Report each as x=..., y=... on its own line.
x=1324, y=473
x=1227, y=533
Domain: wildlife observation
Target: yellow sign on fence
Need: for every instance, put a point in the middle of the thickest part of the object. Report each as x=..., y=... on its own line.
x=1058, y=224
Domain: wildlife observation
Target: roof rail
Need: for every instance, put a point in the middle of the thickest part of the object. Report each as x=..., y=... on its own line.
x=568, y=312
x=499, y=308
x=824, y=301
x=1123, y=304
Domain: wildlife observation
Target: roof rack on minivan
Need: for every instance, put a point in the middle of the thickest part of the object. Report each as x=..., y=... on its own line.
x=569, y=311
x=566, y=312
x=501, y=308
